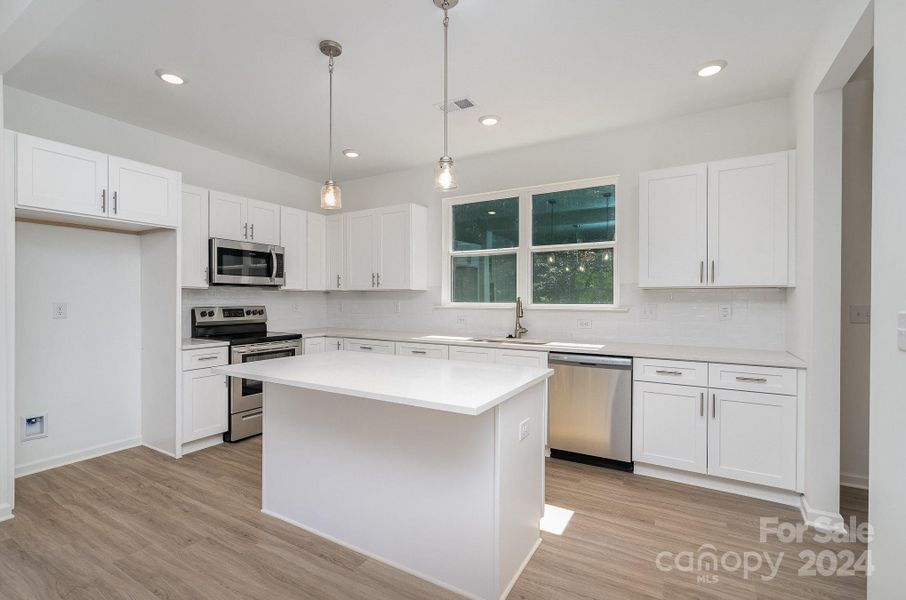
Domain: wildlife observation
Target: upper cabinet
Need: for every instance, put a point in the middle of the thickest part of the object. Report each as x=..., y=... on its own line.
x=335, y=252
x=302, y=236
x=241, y=219
x=385, y=248
x=720, y=224
x=194, y=234
x=60, y=178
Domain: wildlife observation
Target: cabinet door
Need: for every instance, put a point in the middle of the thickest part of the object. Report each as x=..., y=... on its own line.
x=142, y=193
x=422, y=350
x=194, y=234
x=315, y=345
x=360, y=244
x=264, y=222
x=748, y=221
x=335, y=252
x=673, y=233
x=316, y=244
x=670, y=426
x=525, y=358
x=472, y=354
x=204, y=404
x=59, y=177
x=228, y=217
x=752, y=437
x=392, y=248
x=294, y=234
x=333, y=344
x=372, y=346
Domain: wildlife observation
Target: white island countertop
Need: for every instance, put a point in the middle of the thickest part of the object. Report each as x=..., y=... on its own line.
x=447, y=385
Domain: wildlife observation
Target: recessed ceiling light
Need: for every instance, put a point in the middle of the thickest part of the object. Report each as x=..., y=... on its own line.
x=350, y=153
x=711, y=68
x=171, y=78
x=489, y=120
x=492, y=212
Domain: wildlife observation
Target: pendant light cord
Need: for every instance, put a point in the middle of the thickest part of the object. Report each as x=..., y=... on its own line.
x=330, y=120
x=446, y=28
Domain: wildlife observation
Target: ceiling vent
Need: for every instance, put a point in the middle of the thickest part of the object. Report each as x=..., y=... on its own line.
x=456, y=105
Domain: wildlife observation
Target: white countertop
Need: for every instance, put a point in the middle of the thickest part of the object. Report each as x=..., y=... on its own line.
x=764, y=358
x=451, y=386
x=198, y=344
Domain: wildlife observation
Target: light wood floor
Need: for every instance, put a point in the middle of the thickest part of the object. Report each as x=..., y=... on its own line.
x=139, y=525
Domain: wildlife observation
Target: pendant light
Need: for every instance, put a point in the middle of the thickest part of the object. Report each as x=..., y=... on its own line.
x=331, y=198
x=444, y=173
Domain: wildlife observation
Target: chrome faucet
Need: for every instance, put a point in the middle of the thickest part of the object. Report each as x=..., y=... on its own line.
x=519, y=330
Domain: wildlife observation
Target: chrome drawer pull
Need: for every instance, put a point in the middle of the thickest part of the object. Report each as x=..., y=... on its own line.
x=211, y=357
x=419, y=352
x=701, y=404
x=751, y=379
x=660, y=372
x=365, y=348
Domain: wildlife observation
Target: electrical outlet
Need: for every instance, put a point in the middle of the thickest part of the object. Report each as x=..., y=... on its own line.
x=60, y=310
x=724, y=312
x=33, y=427
x=860, y=313
x=397, y=307
x=524, y=429
x=461, y=321
x=649, y=312
x=297, y=308
x=583, y=324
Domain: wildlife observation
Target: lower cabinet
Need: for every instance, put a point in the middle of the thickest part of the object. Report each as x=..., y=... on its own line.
x=472, y=354
x=372, y=346
x=205, y=398
x=669, y=426
x=315, y=345
x=333, y=344
x=422, y=350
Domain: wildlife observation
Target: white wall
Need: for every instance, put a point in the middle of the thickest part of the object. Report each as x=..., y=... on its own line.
x=855, y=338
x=888, y=296
x=683, y=317
x=28, y=113
x=83, y=370
x=7, y=327
x=813, y=319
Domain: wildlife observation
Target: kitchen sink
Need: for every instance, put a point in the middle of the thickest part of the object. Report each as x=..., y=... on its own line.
x=506, y=340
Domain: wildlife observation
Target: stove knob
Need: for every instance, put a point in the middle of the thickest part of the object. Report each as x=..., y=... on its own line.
x=261, y=312
x=248, y=312
x=204, y=313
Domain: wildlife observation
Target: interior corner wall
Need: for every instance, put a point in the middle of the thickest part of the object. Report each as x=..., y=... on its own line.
x=35, y=115
x=855, y=338
x=888, y=297
x=813, y=318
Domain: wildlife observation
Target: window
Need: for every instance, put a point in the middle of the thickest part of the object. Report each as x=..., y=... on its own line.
x=553, y=246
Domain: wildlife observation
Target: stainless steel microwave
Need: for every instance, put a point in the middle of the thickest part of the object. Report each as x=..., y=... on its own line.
x=245, y=263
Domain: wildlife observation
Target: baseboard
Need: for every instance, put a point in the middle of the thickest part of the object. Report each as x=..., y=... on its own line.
x=6, y=512
x=77, y=456
x=854, y=481
x=822, y=520
x=752, y=490
x=525, y=562
x=161, y=450
x=196, y=445
x=371, y=555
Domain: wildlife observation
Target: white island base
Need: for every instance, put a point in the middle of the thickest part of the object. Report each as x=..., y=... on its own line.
x=455, y=499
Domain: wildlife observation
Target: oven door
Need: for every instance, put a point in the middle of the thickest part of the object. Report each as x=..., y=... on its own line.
x=247, y=394
x=245, y=263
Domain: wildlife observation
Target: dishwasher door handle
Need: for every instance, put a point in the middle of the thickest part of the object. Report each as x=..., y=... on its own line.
x=589, y=360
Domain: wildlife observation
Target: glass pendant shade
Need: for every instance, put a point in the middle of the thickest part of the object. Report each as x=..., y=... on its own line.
x=444, y=174
x=331, y=195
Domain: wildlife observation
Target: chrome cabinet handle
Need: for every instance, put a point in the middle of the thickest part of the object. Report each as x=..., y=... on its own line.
x=372, y=280
x=104, y=201
x=379, y=280
x=712, y=271
x=338, y=281
x=245, y=233
x=701, y=404
x=751, y=379
x=115, y=194
x=419, y=352
x=211, y=357
x=661, y=372
x=713, y=406
x=701, y=271
x=365, y=348
x=253, y=231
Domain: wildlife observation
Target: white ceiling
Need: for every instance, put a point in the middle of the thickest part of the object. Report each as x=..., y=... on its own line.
x=257, y=84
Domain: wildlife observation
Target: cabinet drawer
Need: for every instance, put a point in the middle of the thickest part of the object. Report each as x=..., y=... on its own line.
x=471, y=354
x=373, y=346
x=526, y=358
x=204, y=358
x=422, y=350
x=752, y=379
x=670, y=371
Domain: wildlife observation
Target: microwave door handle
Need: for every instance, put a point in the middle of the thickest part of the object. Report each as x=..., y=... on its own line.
x=273, y=264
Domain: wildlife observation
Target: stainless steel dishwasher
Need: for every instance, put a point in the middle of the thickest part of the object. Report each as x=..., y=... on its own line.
x=590, y=409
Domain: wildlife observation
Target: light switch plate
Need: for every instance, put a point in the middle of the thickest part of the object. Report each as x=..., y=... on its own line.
x=724, y=312
x=524, y=429
x=461, y=320
x=59, y=310
x=859, y=313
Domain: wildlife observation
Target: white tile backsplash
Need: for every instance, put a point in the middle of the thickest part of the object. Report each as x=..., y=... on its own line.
x=285, y=310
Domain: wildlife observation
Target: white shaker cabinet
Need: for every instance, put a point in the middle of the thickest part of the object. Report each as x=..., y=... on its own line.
x=472, y=354
x=372, y=346
x=315, y=345
x=264, y=222
x=360, y=242
x=333, y=344
x=748, y=221
x=194, y=233
x=335, y=252
x=385, y=248
x=752, y=437
x=670, y=426
x=315, y=252
x=673, y=235
x=59, y=177
x=142, y=193
x=718, y=224
x=205, y=410
x=236, y=218
x=294, y=234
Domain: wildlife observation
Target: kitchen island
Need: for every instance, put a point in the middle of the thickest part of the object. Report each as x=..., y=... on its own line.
x=435, y=467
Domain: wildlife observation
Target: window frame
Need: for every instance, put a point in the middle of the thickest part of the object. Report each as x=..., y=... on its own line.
x=525, y=249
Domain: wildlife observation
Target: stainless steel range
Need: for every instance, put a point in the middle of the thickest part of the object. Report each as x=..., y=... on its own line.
x=245, y=327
